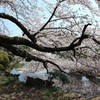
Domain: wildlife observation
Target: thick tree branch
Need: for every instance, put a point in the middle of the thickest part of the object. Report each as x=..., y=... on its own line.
x=15, y=40
x=22, y=53
x=22, y=41
x=83, y=31
x=76, y=42
x=28, y=57
x=14, y=20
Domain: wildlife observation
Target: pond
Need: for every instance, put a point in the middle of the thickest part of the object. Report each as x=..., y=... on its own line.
x=80, y=84
x=23, y=76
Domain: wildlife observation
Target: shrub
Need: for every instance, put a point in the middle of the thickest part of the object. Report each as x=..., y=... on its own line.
x=5, y=59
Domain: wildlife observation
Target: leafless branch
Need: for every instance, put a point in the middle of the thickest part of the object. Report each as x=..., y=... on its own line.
x=95, y=40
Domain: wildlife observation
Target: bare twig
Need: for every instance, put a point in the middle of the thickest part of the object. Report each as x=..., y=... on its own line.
x=48, y=20
x=47, y=61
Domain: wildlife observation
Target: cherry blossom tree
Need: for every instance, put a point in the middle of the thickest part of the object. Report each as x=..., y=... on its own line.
x=59, y=26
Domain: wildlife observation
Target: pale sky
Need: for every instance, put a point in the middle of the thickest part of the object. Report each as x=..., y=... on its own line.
x=16, y=31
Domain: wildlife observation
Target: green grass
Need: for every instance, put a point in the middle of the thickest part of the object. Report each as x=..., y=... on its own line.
x=12, y=89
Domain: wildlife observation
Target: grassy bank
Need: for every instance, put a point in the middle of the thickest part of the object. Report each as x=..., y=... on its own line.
x=11, y=89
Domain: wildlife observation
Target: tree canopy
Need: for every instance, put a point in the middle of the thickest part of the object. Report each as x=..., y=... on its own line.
x=51, y=27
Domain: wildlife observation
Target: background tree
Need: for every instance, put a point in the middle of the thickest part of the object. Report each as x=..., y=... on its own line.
x=63, y=31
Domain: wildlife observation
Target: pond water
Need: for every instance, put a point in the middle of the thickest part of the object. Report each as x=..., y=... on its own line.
x=23, y=76
x=81, y=85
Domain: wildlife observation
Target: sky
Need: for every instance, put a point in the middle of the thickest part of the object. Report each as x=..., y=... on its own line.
x=14, y=30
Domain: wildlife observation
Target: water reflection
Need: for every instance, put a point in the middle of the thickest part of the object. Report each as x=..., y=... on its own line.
x=85, y=81
x=23, y=76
